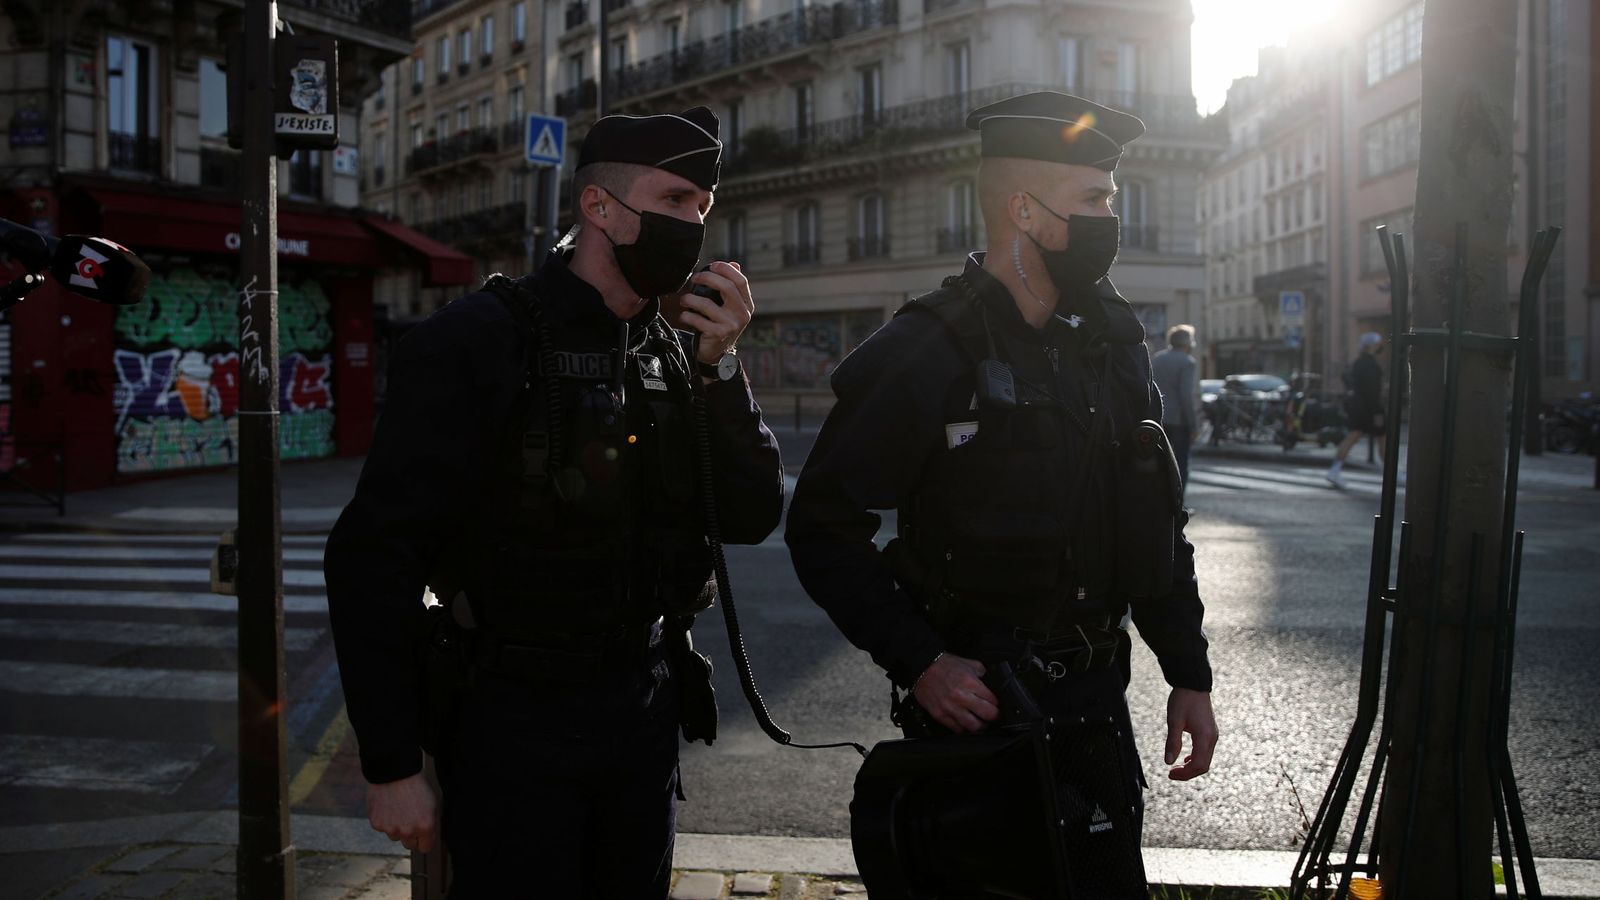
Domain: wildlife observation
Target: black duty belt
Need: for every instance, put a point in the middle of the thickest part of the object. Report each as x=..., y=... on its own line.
x=559, y=656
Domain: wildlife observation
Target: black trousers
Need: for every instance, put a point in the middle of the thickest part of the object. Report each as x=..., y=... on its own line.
x=563, y=789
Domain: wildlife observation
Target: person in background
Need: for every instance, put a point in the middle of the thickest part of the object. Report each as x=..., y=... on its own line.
x=1363, y=405
x=1177, y=376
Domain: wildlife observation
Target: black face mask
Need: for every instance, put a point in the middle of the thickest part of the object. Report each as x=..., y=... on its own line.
x=664, y=255
x=1091, y=249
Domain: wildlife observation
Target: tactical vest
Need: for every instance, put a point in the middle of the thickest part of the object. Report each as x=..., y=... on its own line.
x=598, y=525
x=1016, y=520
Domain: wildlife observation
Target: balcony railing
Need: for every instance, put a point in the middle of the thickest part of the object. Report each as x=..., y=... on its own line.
x=802, y=254
x=391, y=17
x=219, y=167
x=505, y=222
x=612, y=6
x=892, y=127
x=1138, y=236
x=513, y=133
x=459, y=146
x=421, y=9
x=956, y=240
x=135, y=153
x=573, y=101
x=760, y=41
x=378, y=176
x=929, y=7
x=867, y=247
x=577, y=15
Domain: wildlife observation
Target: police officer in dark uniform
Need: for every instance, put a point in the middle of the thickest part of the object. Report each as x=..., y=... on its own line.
x=1000, y=417
x=538, y=467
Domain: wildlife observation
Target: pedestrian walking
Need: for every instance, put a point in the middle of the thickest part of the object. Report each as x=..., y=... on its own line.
x=536, y=466
x=1177, y=377
x=996, y=415
x=1363, y=405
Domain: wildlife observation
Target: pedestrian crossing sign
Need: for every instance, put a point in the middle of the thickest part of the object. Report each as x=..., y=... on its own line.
x=546, y=140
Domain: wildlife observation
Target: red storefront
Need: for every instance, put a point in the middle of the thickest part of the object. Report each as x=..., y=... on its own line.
x=153, y=388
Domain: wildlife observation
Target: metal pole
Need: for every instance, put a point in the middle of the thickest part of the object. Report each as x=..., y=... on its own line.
x=266, y=857
x=602, y=98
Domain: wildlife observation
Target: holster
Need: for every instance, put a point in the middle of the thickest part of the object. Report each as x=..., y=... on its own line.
x=697, y=697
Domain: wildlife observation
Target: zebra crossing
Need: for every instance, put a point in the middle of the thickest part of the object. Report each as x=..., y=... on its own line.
x=1221, y=478
x=118, y=671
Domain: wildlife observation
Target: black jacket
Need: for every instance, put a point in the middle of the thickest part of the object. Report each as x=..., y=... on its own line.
x=454, y=383
x=896, y=392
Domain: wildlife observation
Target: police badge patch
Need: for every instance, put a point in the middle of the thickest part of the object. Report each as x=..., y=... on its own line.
x=650, y=373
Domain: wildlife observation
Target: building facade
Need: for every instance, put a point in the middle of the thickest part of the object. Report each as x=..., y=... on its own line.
x=116, y=125
x=848, y=181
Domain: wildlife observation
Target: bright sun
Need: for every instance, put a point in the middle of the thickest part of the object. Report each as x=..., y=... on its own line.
x=1227, y=33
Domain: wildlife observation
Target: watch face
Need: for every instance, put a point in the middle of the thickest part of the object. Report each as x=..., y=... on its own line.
x=727, y=367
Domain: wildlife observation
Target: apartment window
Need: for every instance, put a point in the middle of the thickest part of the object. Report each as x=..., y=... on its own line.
x=416, y=135
x=871, y=79
x=958, y=68
x=1128, y=67
x=514, y=101
x=380, y=157
x=619, y=54
x=519, y=25
x=1372, y=262
x=486, y=30
x=733, y=129
x=214, y=99
x=958, y=232
x=806, y=247
x=441, y=126
x=1129, y=205
x=735, y=15
x=735, y=244
x=871, y=239
x=132, y=101
x=305, y=174
x=444, y=58
x=575, y=70
x=463, y=118
x=486, y=112
x=485, y=193
x=1395, y=44
x=804, y=110
x=1392, y=143
x=466, y=50
x=1069, y=56
x=674, y=36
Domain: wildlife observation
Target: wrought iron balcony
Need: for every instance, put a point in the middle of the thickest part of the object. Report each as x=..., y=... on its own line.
x=760, y=41
x=867, y=247
x=1139, y=236
x=390, y=17
x=499, y=223
x=421, y=9
x=956, y=240
x=802, y=254
x=512, y=134
x=576, y=100
x=459, y=146
x=135, y=153
x=577, y=15
x=378, y=176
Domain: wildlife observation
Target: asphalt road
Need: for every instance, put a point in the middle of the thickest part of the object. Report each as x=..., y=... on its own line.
x=117, y=675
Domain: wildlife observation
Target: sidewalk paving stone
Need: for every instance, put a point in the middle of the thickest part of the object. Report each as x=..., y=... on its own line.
x=93, y=888
x=356, y=871
x=752, y=883
x=141, y=860
x=698, y=886
x=203, y=858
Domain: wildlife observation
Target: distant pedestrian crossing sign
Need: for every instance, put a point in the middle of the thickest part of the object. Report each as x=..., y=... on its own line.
x=546, y=139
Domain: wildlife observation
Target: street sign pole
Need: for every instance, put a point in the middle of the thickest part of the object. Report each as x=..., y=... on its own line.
x=544, y=146
x=265, y=857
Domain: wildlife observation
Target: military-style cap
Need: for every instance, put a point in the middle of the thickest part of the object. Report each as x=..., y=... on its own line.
x=1055, y=127
x=683, y=143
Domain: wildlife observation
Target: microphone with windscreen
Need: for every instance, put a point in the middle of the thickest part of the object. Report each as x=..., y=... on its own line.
x=91, y=267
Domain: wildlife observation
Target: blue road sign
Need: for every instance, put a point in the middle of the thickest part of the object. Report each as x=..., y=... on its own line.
x=1291, y=307
x=546, y=140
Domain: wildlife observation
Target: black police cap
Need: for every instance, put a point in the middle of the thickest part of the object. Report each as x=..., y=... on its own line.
x=1055, y=127
x=682, y=143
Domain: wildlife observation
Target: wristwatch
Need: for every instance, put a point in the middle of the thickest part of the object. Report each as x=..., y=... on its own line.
x=725, y=368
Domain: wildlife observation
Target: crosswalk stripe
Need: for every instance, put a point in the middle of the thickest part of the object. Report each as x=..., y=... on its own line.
x=68, y=574
x=294, y=603
x=97, y=764
x=208, y=541
x=197, y=555
x=144, y=634
x=73, y=680
x=1219, y=479
x=1299, y=476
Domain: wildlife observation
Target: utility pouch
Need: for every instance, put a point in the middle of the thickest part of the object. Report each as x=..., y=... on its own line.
x=1149, y=494
x=1098, y=811
x=697, y=698
x=443, y=670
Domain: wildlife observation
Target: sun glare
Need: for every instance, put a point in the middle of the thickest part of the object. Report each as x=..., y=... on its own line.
x=1227, y=33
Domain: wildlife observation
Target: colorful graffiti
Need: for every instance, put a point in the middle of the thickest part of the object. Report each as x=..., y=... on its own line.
x=177, y=368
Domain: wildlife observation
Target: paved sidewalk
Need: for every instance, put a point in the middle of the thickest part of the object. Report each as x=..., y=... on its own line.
x=190, y=856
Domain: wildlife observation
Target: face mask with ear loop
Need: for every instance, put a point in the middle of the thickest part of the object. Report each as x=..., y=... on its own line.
x=664, y=255
x=1091, y=249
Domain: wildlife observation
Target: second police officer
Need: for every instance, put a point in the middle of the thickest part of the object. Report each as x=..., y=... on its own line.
x=997, y=416
x=536, y=465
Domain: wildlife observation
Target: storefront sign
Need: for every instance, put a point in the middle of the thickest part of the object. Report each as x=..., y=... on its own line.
x=286, y=246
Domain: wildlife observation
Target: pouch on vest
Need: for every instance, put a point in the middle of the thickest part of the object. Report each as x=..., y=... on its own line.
x=1149, y=495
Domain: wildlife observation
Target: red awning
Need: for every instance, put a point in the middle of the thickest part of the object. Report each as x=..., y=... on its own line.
x=163, y=222
x=446, y=265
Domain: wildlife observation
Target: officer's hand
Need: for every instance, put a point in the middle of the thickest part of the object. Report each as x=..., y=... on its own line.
x=1190, y=711
x=719, y=326
x=951, y=690
x=405, y=810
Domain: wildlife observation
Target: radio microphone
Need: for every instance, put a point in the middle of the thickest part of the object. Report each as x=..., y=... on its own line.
x=91, y=267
